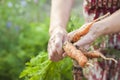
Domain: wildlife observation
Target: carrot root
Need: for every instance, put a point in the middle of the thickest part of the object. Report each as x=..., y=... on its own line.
x=97, y=54
x=102, y=56
x=89, y=64
x=74, y=53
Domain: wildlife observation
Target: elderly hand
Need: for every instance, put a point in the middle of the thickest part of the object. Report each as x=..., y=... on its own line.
x=95, y=31
x=109, y=25
x=58, y=37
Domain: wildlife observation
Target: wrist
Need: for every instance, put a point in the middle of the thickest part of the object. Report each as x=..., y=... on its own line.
x=57, y=29
x=98, y=29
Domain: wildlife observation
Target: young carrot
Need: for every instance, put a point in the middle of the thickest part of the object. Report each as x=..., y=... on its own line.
x=76, y=54
x=79, y=55
x=97, y=54
x=82, y=31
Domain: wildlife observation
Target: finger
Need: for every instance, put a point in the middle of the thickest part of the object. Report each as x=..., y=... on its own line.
x=49, y=50
x=65, y=38
x=87, y=39
x=86, y=47
x=55, y=47
x=82, y=27
x=71, y=33
x=64, y=54
x=55, y=54
x=58, y=45
x=52, y=53
x=51, y=56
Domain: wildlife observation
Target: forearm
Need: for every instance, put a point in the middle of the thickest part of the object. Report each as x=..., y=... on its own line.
x=60, y=12
x=110, y=24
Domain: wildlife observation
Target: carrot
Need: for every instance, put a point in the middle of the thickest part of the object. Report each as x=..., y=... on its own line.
x=79, y=55
x=97, y=54
x=76, y=54
x=79, y=33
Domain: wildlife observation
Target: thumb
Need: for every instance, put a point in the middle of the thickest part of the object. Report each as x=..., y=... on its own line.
x=86, y=40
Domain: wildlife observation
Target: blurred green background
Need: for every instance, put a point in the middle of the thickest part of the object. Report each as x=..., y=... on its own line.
x=24, y=36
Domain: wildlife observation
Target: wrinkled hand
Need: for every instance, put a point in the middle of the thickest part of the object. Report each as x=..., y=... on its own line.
x=94, y=32
x=58, y=37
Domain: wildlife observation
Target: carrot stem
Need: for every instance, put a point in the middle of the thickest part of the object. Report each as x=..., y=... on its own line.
x=79, y=33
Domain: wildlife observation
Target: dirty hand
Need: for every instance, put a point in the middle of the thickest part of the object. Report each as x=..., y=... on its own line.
x=55, y=50
x=95, y=31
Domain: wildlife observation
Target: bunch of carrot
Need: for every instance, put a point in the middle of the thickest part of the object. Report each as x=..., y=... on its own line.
x=81, y=56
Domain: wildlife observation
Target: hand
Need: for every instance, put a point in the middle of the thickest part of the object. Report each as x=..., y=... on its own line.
x=109, y=25
x=58, y=37
x=71, y=34
x=95, y=31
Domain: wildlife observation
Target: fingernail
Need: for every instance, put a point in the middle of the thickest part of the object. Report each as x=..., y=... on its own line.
x=76, y=45
x=64, y=55
x=87, y=47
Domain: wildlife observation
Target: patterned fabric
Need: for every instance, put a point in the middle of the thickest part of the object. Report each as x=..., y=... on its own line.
x=100, y=7
x=103, y=70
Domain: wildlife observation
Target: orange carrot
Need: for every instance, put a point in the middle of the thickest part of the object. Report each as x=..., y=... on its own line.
x=79, y=55
x=79, y=33
x=97, y=54
x=76, y=54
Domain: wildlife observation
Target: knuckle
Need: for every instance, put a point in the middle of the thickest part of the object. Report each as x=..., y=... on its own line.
x=51, y=57
x=57, y=45
x=92, y=37
x=95, y=30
